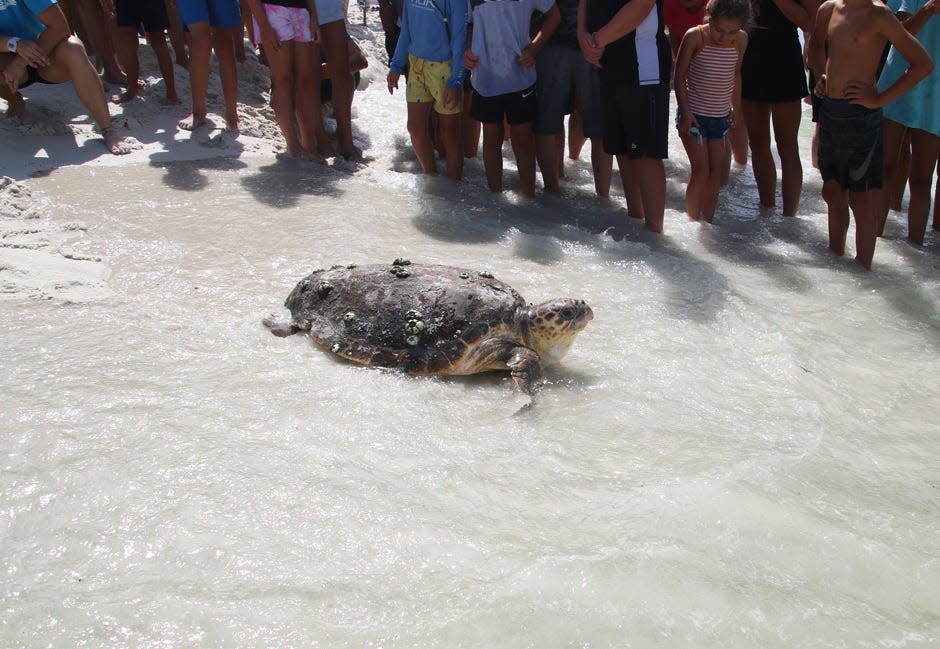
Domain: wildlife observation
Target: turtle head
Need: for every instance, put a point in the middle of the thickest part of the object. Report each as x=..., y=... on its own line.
x=551, y=326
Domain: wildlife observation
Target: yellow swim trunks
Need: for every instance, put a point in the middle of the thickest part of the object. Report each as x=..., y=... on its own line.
x=427, y=81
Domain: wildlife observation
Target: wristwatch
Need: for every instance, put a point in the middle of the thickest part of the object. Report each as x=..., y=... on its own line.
x=11, y=43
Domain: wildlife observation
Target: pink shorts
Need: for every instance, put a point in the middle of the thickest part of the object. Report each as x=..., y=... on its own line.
x=289, y=23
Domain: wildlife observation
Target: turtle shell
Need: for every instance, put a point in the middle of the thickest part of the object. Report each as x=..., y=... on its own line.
x=421, y=319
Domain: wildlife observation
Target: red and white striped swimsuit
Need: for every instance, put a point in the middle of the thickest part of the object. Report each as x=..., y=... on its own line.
x=710, y=82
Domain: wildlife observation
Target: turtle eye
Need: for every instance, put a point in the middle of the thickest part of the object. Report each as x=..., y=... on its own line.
x=567, y=313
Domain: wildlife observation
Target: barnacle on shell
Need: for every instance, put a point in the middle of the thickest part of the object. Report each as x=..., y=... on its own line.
x=323, y=289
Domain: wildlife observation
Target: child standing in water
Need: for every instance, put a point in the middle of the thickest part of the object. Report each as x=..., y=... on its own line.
x=502, y=57
x=845, y=51
x=708, y=91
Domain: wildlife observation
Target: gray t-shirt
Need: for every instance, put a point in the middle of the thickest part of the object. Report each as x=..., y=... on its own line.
x=500, y=33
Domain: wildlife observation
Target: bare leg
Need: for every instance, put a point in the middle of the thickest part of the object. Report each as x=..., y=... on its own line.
x=547, y=156
x=757, y=119
x=893, y=135
x=281, y=62
x=925, y=148
x=650, y=176
x=737, y=136
x=493, y=155
x=602, y=164
x=469, y=128
x=157, y=41
x=866, y=234
x=899, y=180
x=697, y=152
x=97, y=27
x=177, y=37
x=419, y=114
x=127, y=54
x=16, y=106
x=837, y=201
x=814, y=147
x=576, y=137
x=786, y=120
x=70, y=63
x=311, y=94
x=223, y=43
x=631, y=188
x=453, y=149
x=307, y=98
x=523, y=146
x=718, y=152
x=199, y=52
x=336, y=48
x=238, y=35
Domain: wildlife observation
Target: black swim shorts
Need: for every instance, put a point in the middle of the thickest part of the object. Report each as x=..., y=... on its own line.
x=850, y=144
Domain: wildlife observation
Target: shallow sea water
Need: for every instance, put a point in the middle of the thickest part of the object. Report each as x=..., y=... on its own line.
x=739, y=451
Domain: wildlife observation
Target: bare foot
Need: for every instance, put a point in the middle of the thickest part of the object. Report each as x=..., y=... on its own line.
x=351, y=152
x=126, y=96
x=16, y=106
x=116, y=77
x=310, y=156
x=231, y=122
x=325, y=147
x=171, y=100
x=191, y=122
x=115, y=143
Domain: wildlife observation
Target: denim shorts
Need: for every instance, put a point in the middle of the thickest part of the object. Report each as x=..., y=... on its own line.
x=709, y=128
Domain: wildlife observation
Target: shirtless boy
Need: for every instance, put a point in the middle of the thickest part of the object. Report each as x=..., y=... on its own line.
x=850, y=121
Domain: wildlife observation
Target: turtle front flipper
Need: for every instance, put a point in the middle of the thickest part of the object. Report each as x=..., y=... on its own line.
x=526, y=368
x=281, y=328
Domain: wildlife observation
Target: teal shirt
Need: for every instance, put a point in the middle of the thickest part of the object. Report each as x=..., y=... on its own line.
x=917, y=108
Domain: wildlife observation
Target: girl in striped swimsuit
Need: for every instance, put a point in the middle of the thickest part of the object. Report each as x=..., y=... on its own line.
x=708, y=91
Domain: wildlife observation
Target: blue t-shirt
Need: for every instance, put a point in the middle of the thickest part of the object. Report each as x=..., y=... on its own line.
x=434, y=30
x=500, y=33
x=18, y=17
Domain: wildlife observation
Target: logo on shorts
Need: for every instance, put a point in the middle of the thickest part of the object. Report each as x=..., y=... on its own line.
x=857, y=174
x=526, y=95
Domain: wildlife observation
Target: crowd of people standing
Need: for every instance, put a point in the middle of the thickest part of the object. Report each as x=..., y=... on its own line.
x=516, y=68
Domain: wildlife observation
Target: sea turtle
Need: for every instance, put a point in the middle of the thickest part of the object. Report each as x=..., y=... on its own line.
x=431, y=320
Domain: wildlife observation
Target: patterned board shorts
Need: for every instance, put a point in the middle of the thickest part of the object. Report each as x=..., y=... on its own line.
x=427, y=81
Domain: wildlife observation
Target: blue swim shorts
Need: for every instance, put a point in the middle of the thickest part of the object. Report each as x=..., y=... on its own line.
x=221, y=14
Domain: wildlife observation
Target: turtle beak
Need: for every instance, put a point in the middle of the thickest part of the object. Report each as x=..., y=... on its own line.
x=586, y=313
